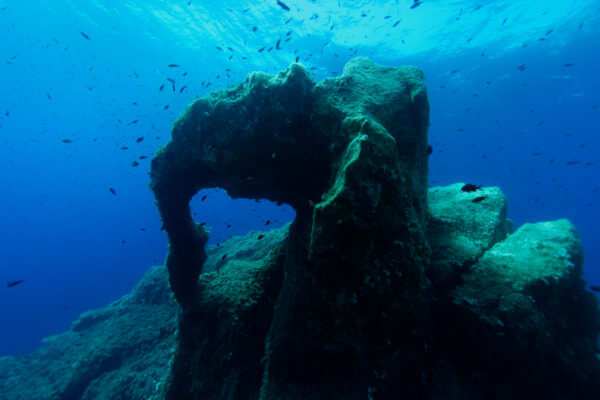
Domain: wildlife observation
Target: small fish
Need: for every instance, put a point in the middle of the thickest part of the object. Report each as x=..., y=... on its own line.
x=173, y=65
x=297, y=58
x=14, y=283
x=416, y=4
x=139, y=139
x=223, y=257
x=135, y=121
x=260, y=237
x=283, y=5
x=134, y=164
x=479, y=199
x=522, y=67
x=66, y=140
x=595, y=288
x=85, y=36
x=268, y=222
x=48, y=95
x=113, y=191
x=277, y=45
x=219, y=48
x=396, y=23
x=261, y=49
x=203, y=198
x=182, y=89
x=161, y=87
x=171, y=80
x=124, y=148
x=469, y=187
x=573, y=162
x=569, y=64
x=142, y=157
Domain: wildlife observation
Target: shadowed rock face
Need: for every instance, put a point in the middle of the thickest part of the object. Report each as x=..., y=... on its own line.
x=349, y=154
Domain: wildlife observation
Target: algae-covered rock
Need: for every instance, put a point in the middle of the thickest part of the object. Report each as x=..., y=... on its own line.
x=460, y=230
x=253, y=247
x=118, y=352
x=343, y=307
x=221, y=341
x=350, y=155
x=522, y=315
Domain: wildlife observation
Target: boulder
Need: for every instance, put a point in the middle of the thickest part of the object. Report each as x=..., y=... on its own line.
x=522, y=316
x=460, y=230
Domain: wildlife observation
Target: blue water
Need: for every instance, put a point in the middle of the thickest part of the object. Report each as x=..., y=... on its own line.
x=78, y=246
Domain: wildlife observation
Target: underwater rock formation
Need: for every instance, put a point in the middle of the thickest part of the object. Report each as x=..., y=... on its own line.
x=344, y=307
x=349, y=154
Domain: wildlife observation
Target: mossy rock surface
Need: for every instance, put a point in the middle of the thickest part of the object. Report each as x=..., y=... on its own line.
x=460, y=230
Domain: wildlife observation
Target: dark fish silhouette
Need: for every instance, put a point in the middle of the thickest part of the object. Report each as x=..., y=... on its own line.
x=260, y=236
x=66, y=141
x=182, y=89
x=161, y=87
x=113, y=191
x=595, y=288
x=139, y=139
x=283, y=5
x=14, y=283
x=416, y=4
x=134, y=164
x=203, y=198
x=85, y=36
x=522, y=67
x=479, y=199
x=469, y=187
x=173, y=65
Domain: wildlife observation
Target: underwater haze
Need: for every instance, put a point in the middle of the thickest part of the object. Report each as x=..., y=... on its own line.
x=90, y=90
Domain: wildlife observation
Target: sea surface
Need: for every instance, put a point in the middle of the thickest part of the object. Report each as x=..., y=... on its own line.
x=90, y=89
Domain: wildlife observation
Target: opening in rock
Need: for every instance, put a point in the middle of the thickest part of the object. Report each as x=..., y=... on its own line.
x=225, y=217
